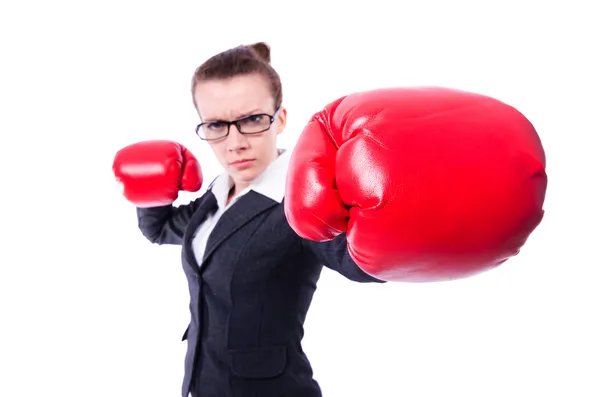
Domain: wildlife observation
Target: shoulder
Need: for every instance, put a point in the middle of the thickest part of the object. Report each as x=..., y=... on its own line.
x=208, y=191
x=277, y=223
x=213, y=182
x=199, y=201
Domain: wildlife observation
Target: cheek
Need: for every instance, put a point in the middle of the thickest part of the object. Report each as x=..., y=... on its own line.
x=268, y=143
x=220, y=153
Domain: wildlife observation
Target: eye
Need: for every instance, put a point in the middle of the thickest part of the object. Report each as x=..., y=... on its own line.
x=256, y=118
x=216, y=125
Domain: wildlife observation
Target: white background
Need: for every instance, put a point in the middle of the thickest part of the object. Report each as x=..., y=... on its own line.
x=89, y=308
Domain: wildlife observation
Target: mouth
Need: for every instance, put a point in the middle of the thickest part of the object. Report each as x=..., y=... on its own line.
x=243, y=163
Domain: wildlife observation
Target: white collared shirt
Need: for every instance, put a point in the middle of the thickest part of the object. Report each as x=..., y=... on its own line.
x=271, y=184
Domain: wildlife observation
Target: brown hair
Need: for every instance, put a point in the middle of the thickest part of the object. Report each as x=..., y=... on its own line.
x=238, y=61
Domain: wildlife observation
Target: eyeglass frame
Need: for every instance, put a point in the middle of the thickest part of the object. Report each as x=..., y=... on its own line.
x=237, y=125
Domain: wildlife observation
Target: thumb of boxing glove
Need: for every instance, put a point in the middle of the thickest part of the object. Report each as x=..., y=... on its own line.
x=191, y=177
x=313, y=205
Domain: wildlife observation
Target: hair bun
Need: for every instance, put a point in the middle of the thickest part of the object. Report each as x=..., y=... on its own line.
x=262, y=51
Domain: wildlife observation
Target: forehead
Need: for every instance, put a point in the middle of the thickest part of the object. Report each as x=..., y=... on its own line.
x=233, y=98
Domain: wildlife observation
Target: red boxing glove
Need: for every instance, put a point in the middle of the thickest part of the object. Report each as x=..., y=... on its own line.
x=430, y=184
x=153, y=172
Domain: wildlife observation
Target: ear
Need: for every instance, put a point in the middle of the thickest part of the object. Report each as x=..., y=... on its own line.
x=281, y=120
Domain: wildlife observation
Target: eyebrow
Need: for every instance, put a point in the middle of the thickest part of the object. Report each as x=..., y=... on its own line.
x=242, y=115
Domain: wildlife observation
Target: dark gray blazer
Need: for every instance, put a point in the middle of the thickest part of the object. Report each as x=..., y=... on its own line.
x=249, y=297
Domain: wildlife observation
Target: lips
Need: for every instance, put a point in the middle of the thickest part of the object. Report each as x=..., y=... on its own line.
x=244, y=163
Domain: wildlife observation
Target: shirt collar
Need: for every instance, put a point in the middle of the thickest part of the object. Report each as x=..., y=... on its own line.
x=271, y=183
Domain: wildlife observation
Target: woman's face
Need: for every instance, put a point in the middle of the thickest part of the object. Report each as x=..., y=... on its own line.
x=243, y=156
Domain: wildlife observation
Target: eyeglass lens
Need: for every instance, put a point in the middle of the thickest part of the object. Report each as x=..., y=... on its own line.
x=248, y=125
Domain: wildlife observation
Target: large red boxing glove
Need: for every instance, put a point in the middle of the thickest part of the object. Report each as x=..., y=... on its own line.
x=152, y=173
x=430, y=184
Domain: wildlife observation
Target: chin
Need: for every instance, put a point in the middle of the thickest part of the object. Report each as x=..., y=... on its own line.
x=247, y=176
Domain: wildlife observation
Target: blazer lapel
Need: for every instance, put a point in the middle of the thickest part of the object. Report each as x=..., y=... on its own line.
x=243, y=211
x=207, y=207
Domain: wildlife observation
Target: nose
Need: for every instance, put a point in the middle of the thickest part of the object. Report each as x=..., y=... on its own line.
x=236, y=140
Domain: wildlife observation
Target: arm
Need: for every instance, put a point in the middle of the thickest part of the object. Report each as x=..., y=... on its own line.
x=166, y=224
x=334, y=255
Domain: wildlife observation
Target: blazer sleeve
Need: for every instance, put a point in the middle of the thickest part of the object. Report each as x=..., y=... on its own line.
x=167, y=224
x=334, y=255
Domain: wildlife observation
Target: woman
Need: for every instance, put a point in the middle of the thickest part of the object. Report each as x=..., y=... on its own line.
x=251, y=277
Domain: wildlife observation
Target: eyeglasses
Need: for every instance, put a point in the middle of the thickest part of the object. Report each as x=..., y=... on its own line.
x=253, y=124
